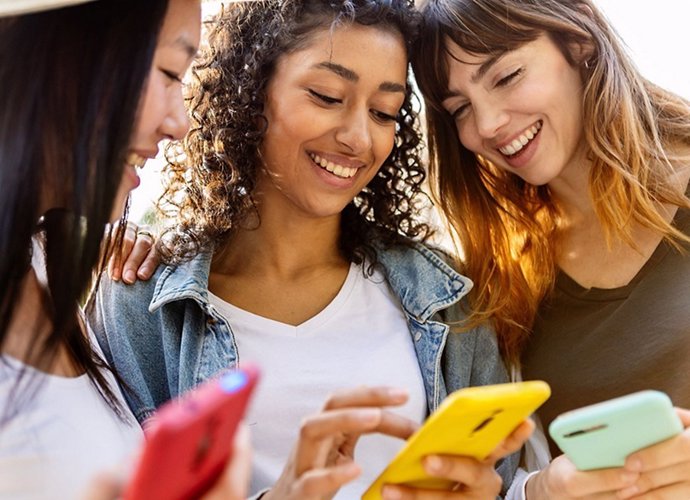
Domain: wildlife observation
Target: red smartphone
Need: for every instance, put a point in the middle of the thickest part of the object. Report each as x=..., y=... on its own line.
x=189, y=443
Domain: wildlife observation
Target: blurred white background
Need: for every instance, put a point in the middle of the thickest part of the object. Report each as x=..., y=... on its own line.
x=656, y=33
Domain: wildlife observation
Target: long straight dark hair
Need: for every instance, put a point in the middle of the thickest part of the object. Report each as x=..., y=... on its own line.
x=70, y=83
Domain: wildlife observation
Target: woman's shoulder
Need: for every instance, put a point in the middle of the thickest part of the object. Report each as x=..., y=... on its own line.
x=424, y=258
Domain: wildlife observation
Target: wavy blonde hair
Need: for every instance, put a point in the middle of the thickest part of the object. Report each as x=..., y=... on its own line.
x=636, y=133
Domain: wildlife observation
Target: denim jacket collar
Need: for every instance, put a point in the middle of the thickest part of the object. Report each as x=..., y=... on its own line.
x=188, y=280
x=425, y=283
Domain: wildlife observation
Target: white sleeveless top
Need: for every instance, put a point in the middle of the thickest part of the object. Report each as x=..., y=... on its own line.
x=360, y=338
x=64, y=435
x=64, y=432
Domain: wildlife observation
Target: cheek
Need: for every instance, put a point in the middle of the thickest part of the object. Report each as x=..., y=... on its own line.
x=467, y=135
x=384, y=141
x=151, y=107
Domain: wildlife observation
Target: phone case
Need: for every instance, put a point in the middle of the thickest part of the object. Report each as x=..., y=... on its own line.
x=602, y=435
x=470, y=422
x=190, y=440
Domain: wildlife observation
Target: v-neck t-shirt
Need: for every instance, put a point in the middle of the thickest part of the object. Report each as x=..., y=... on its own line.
x=360, y=338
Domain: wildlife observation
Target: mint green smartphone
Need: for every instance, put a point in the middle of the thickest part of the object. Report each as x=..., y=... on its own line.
x=602, y=435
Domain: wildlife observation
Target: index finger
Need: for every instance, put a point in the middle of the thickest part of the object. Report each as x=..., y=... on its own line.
x=366, y=396
x=324, y=428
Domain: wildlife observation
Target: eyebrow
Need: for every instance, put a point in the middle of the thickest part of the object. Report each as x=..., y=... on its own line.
x=484, y=67
x=481, y=71
x=351, y=76
x=183, y=43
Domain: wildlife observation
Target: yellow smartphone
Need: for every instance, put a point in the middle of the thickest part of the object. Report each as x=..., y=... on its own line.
x=469, y=422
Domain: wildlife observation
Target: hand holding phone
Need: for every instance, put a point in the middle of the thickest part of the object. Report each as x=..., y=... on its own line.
x=189, y=442
x=470, y=422
x=602, y=435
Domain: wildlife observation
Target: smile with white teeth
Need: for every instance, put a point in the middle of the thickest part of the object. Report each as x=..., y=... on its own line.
x=135, y=160
x=522, y=141
x=334, y=168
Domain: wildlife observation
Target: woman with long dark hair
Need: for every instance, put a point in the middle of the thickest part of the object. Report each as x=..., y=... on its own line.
x=86, y=93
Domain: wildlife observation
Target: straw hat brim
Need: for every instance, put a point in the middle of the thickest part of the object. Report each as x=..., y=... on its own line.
x=16, y=7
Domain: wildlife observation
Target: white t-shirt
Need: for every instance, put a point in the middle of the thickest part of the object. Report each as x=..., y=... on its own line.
x=360, y=338
x=62, y=437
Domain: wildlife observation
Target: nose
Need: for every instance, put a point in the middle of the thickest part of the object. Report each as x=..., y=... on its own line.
x=354, y=132
x=489, y=119
x=176, y=123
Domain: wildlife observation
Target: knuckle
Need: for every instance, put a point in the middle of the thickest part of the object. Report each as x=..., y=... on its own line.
x=569, y=485
x=643, y=483
x=307, y=428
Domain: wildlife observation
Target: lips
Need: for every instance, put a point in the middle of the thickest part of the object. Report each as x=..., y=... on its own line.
x=335, y=168
x=519, y=143
x=135, y=160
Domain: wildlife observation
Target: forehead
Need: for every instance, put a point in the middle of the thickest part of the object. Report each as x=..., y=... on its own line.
x=457, y=56
x=182, y=26
x=361, y=48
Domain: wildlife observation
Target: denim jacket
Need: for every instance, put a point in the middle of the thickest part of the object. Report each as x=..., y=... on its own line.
x=163, y=337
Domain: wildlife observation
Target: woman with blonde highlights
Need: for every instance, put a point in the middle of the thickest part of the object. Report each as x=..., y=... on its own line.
x=563, y=175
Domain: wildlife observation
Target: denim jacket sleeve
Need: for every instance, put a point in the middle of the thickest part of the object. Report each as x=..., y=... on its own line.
x=486, y=368
x=480, y=346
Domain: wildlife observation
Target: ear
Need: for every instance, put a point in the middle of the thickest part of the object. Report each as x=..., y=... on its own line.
x=581, y=52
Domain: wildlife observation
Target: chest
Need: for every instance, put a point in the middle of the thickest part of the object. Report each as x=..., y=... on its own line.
x=592, y=262
x=291, y=301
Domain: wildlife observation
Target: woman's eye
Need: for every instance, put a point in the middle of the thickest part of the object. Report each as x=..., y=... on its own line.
x=324, y=98
x=460, y=111
x=383, y=117
x=172, y=76
x=506, y=80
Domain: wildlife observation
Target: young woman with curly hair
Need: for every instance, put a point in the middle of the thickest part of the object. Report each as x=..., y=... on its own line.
x=298, y=245
x=563, y=173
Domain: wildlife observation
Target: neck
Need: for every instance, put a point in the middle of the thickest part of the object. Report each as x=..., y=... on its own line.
x=571, y=194
x=29, y=329
x=285, y=244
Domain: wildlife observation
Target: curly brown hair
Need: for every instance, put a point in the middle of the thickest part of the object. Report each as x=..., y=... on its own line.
x=211, y=175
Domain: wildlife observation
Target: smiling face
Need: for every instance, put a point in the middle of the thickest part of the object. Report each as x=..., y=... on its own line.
x=522, y=111
x=161, y=114
x=331, y=111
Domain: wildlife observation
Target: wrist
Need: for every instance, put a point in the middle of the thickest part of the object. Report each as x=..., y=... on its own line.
x=535, y=487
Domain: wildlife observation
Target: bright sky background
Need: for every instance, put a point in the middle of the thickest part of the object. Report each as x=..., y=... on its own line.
x=657, y=34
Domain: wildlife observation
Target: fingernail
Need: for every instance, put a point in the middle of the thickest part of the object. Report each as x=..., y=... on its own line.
x=391, y=493
x=143, y=272
x=633, y=464
x=130, y=276
x=433, y=464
